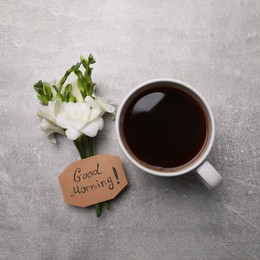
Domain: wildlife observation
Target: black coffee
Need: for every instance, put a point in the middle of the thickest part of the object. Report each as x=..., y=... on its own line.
x=164, y=127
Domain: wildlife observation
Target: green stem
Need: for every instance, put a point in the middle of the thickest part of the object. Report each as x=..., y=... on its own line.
x=107, y=205
x=98, y=209
x=78, y=144
x=90, y=152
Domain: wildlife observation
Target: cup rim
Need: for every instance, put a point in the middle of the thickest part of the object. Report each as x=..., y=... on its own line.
x=198, y=161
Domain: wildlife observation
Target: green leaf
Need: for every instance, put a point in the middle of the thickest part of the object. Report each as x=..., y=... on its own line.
x=84, y=82
x=64, y=78
x=72, y=99
x=38, y=87
x=39, y=84
x=83, y=94
x=85, y=64
x=90, y=71
x=59, y=97
x=81, y=58
x=91, y=59
x=56, y=89
x=78, y=73
x=47, y=89
x=81, y=85
x=48, y=92
x=39, y=91
x=89, y=89
x=43, y=99
x=75, y=67
x=68, y=89
x=65, y=97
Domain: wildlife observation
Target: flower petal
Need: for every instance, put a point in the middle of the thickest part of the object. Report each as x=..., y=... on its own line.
x=94, y=113
x=47, y=112
x=76, y=114
x=91, y=129
x=49, y=129
x=57, y=107
x=62, y=121
x=106, y=104
x=92, y=102
x=72, y=134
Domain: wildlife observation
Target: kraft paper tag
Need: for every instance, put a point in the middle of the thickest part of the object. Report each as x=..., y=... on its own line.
x=92, y=180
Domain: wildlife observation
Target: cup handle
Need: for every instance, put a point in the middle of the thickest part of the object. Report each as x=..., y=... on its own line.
x=209, y=175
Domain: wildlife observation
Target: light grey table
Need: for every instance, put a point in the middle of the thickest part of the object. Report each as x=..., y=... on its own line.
x=214, y=46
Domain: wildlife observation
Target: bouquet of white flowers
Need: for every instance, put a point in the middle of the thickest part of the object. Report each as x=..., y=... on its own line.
x=74, y=110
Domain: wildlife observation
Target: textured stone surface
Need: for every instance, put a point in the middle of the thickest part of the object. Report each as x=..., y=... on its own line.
x=213, y=45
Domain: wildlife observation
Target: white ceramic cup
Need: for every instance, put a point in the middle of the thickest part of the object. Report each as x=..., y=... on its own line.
x=204, y=170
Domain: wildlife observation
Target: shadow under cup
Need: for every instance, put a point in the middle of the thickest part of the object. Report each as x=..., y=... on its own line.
x=135, y=148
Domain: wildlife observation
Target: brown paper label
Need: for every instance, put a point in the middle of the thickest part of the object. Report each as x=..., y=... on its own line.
x=92, y=180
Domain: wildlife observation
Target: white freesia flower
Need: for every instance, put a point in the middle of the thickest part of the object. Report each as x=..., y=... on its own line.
x=49, y=129
x=79, y=118
x=103, y=104
x=48, y=115
x=50, y=111
x=73, y=109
